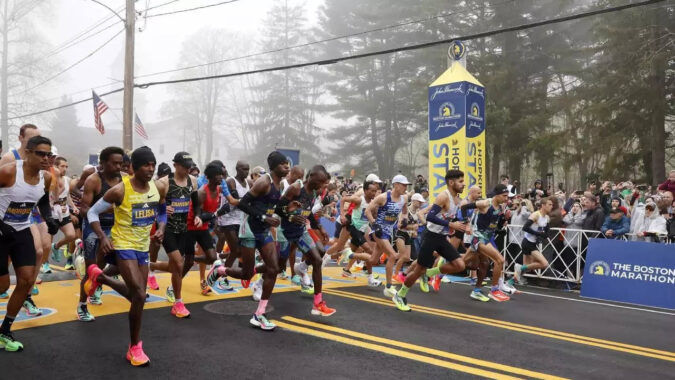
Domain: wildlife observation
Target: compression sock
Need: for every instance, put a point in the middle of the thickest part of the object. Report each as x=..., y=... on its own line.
x=403, y=292
x=433, y=271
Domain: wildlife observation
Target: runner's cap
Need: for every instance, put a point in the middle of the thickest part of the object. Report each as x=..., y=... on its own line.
x=373, y=178
x=400, y=178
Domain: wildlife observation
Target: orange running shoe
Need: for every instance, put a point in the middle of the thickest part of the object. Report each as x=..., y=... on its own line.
x=436, y=283
x=92, y=274
x=136, y=356
x=179, y=310
x=322, y=309
x=498, y=296
x=400, y=277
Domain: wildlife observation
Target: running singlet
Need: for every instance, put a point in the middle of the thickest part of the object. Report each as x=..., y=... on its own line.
x=134, y=218
x=178, y=197
x=359, y=219
x=448, y=215
x=486, y=223
x=210, y=205
x=265, y=204
x=293, y=230
x=234, y=216
x=61, y=203
x=17, y=201
x=387, y=215
x=542, y=222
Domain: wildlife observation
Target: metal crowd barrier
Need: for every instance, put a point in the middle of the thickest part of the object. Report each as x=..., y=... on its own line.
x=565, y=250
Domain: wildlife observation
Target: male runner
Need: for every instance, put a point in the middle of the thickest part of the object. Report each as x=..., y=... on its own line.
x=259, y=204
x=95, y=186
x=485, y=221
x=384, y=213
x=163, y=171
x=62, y=207
x=76, y=191
x=532, y=238
x=22, y=186
x=138, y=202
x=180, y=188
x=439, y=222
x=229, y=222
x=295, y=210
x=296, y=175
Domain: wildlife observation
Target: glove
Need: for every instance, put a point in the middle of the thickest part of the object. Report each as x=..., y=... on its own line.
x=224, y=209
x=377, y=230
x=207, y=216
x=52, y=226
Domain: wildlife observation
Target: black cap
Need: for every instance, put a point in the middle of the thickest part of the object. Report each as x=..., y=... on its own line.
x=500, y=189
x=183, y=159
x=163, y=169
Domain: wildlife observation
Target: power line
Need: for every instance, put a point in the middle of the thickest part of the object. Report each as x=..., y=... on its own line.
x=393, y=26
x=379, y=52
x=72, y=65
x=159, y=5
x=191, y=9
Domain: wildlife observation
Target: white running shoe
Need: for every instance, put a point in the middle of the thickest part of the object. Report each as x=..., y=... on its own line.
x=507, y=288
x=518, y=272
x=257, y=289
x=390, y=291
x=373, y=282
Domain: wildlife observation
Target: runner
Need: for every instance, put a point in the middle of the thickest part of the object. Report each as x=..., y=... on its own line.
x=259, y=204
x=384, y=213
x=439, y=222
x=138, y=201
x=62, y=207
x=163, y=171
x=76, y=248
x=485, y=221
x=532, y=257
x=294, y=209
x=229, y=222
x=96, y=185
x=22, y=186
x=296, y=175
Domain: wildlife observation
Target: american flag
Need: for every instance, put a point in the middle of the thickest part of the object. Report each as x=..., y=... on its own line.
x=138, y=127
x=99, y=108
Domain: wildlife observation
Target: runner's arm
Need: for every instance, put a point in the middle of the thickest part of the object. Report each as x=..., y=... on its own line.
x=371, y=210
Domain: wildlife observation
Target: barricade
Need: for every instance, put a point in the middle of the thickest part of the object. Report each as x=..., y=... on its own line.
x=565, y=250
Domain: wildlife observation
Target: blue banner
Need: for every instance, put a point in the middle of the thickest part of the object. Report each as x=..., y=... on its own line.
x=633, y=272
x=293, y=155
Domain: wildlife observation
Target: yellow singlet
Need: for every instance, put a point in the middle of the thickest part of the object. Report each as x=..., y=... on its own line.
x=134, y=218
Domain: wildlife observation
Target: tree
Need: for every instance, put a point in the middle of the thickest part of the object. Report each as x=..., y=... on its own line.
x=69, y=144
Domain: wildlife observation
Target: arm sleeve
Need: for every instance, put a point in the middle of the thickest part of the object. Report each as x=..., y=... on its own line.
x=468, y=206
x=246, y=206
x=432, y=216
x=528, y=228
x=224, y=189
x=282, y=207
x=99, y=207
x=161, y=213
x=44, y=207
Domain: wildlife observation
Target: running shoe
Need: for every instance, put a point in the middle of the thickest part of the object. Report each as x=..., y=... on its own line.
x=518, y=272
x=346, y=273
x=436, y=283
x=45, y=268
x=224, y=284
x=95, y=299
x=170, y=296
x=400, y=302
x=35, y=291
x=179, y=310
x=83, y=314
x=506, y=288
x=296, y=280
x=136, y=356
x=80, y=266
x=262, y=322
x=344, y=256
x=56, y=253
x=498, y=296
x=424, y=283
x=4, y=295
x=301, y=268
x=30, y=309
x=358, y=266
x=213, y=273
x=307, y=289
x=479, y=296
x=373, y=282
x=90, y=285
x=8, y=342
x=446, y=279
x=325, y=260
x=390, y=291
x=38, y=280
x=400, y=277
x=206, y=290
x=257, y=290
x=69, y=264
x=473, y=281
x=152, y=282
x=283, y=275
x=322, y=310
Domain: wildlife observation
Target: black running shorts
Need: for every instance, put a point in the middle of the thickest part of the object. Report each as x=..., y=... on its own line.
x=174, y=241
x=433, y=242
x=201, y=237
x=21, y=249
x=528, y=246
x=358, y=237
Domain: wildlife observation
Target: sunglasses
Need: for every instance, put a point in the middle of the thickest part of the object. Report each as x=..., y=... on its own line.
x=42, y=153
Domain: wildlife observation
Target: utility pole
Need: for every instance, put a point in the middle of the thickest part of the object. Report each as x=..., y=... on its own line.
x=128, y=108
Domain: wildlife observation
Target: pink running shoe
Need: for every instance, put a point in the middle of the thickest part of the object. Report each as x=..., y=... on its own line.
x=92, y=275
x=136, y=356
x=400, y=277
x=179, y=310
x=152, y=283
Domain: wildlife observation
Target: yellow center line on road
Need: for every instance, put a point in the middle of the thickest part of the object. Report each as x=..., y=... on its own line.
x=588, y=341
x=426, y=350
x=395, y=352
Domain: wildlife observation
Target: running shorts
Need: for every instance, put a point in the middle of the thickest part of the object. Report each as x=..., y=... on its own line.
x=528, y=247
x=66, y=220
x=20, y=247
x=91, y=242
x=407, y=239
x=433, y=242
x=201, y=237
x=174, y=241
x=358, y=237
x=131, y=254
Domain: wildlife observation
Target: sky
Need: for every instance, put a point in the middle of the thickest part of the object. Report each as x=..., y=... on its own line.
x=157, y=49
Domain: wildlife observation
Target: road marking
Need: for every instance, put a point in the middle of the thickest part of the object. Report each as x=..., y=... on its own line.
x=616, y=346
x=395, y=352
x=426, y=350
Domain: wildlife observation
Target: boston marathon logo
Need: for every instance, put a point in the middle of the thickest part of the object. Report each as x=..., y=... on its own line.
x=599, y=268
x=634, y=272
x=447, y=118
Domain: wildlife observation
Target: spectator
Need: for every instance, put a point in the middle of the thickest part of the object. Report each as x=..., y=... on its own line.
x=594, y=216
x=606, y=197
x=666, y=201
x=575, y=197
x=616, y=224
x=420, y=184
x=537, y=192
x=618, y=203
x=520, y=211
x=670, y=225
x=592, y=188
x=512, y=189
x=669, y=184
x=425, y=195
x=651, y=225
x=574, y=221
